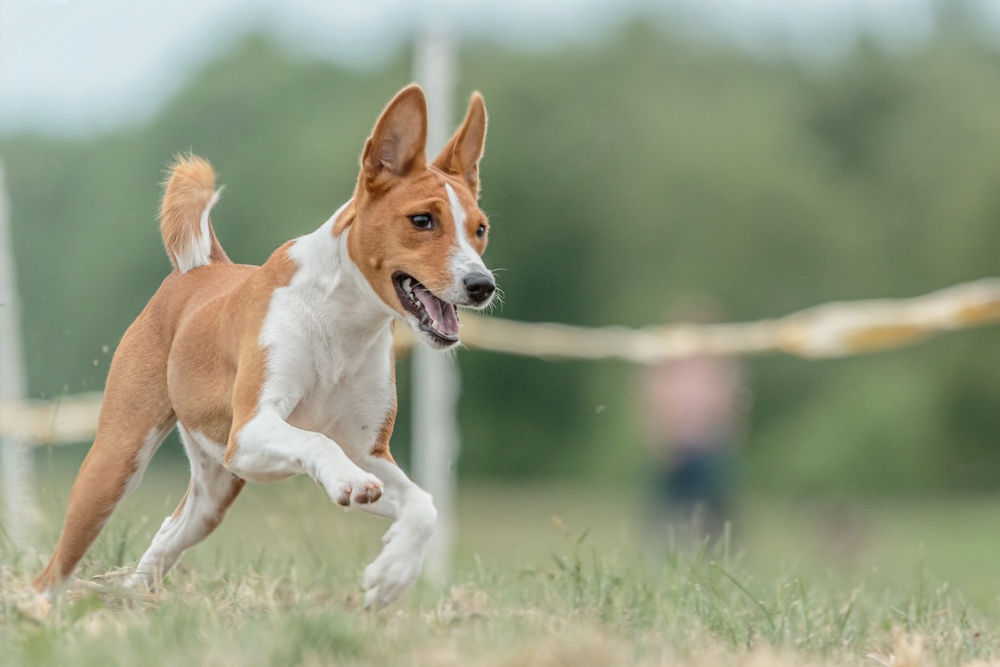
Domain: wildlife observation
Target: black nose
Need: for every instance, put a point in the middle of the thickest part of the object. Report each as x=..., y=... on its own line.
x=480, y=286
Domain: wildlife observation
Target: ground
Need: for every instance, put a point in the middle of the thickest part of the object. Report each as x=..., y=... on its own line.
x=545, y=575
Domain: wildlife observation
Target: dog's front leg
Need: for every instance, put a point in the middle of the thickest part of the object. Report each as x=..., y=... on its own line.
x=268, y=448
x=412, y=512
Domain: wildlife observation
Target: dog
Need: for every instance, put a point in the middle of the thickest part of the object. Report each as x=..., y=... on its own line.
x=287, y=368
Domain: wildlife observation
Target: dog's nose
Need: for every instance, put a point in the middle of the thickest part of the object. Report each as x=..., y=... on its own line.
x=480, y=286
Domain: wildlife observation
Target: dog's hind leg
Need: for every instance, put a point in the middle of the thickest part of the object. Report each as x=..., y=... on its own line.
x=135, y=418
x=210, y=493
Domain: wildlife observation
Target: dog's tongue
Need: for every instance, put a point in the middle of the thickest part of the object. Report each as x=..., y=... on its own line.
x=442, y=313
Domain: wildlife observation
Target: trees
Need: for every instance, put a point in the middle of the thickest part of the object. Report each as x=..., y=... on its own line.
x=619, y=178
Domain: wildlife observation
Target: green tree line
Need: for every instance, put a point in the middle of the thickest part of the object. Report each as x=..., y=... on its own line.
x=620, y=177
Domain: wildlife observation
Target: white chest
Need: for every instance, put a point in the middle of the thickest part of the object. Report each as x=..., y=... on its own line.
x=349, y=405
x=329, y=347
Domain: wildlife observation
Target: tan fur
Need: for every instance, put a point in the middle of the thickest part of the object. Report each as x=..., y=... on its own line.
x=381, y=448
x=187, y=193
x=236, y=487
x=248, y=380
x=193, y=354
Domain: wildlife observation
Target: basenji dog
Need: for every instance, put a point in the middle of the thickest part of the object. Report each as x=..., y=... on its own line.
x=287, y=368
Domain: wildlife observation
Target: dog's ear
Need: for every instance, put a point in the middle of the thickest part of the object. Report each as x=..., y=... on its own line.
x=462, y=153
x=396, y=147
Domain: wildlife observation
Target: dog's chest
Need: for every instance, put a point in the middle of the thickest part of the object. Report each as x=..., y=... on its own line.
x=349, y=403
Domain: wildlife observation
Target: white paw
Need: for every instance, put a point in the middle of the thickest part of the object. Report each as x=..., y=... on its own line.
x=395, y=570
x=402, y=558
x=362, y=488
x=141, y=581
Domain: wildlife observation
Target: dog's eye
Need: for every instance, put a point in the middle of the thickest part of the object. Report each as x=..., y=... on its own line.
x=422, y=221
x=481, y=231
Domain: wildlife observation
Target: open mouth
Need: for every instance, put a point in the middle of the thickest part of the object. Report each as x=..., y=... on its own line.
x=436, y=317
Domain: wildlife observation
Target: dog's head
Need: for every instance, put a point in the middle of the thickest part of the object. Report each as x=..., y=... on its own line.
x=416, y=233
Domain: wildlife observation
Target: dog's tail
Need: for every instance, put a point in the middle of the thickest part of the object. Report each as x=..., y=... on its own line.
x=188, y=198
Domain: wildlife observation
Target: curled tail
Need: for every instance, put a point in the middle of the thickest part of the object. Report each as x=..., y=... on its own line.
x=188, y=198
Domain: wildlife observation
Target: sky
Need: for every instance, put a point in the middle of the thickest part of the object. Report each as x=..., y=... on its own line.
x=81, y=66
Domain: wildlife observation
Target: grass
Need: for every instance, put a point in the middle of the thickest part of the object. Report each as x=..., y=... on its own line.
x=278, y=585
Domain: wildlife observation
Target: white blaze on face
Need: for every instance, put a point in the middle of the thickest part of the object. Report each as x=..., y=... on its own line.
x=464, y=260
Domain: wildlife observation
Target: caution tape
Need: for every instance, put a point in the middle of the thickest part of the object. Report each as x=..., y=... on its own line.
x=830, y=330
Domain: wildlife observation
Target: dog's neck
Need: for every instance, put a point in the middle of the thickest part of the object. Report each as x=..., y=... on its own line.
x=332, y=286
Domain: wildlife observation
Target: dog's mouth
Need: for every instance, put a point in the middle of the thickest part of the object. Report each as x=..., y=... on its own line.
x=436, y=317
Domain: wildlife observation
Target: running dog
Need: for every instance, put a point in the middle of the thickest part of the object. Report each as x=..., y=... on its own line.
x=287, y=368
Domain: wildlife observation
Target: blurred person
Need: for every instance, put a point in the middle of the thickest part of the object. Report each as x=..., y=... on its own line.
x=694, y=412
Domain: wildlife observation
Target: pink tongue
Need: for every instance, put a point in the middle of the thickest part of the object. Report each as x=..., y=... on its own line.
x=442, y=313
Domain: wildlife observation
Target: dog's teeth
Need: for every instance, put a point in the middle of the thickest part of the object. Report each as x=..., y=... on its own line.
x=407, y=284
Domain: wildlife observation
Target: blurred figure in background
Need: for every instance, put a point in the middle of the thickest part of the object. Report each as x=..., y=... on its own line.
x=694, y=409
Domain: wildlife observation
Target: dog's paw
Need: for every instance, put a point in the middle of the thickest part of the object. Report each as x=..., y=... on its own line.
x=395, y=570
x=32, y=604
x=402, y=557
x=143, y=583
x=362, y=489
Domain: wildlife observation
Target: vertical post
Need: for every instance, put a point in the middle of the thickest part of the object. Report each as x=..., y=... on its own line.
x=15, y=457
x=435, y=375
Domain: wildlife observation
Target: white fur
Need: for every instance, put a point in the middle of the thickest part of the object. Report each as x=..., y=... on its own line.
x=204, y=505
x=464, y=259
x=414, y=515
x=198, y=251
x=152, y=443
x=322, y=339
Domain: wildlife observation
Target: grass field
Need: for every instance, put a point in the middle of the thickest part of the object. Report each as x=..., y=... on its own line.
x=545, y=575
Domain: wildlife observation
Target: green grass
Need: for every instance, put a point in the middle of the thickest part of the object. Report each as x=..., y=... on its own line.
x=545, y=575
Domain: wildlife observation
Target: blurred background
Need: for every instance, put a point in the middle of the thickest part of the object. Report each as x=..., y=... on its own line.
x=762, y=156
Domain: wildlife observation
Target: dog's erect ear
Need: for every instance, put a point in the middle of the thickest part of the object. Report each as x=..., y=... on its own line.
x=462, y=153
x=396, y=147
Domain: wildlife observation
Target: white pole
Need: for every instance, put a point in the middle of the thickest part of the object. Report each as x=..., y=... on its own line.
x=15, y=456
x=435, y=375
